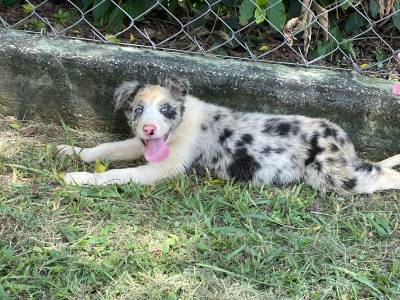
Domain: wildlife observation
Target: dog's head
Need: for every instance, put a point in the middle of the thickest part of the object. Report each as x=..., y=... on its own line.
x=153, y=112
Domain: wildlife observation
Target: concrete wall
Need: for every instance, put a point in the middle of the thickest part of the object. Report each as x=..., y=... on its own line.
x=50, y=79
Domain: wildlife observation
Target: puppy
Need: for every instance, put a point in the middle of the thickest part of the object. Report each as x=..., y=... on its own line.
x=174, y=130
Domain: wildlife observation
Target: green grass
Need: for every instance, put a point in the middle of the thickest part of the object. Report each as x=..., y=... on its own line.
x=193, y=237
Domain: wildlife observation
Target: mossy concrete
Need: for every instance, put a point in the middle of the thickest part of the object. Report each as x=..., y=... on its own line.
x=53, y=79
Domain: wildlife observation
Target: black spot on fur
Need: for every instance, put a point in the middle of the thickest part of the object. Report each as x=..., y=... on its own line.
x=225, y=134
x=247, y=138
x=342, y=141
x=331, y=160
x=318, y=164
x=182, y=109
x=239, y=144
x=243, y=165
x=217, y=117
x=334, y=148
x=314, y=150
x=329, y=131
x=227, y=150
x=203, y=127
x=267, y=150
x=170, y=114
x=215, y=159
x=283, y=129
x=349, y=183
x=367, y=167
x=270, y=125
x=279, y=150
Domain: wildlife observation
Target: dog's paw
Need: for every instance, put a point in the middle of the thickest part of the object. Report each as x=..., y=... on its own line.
x=80, y=178
x=68, y=150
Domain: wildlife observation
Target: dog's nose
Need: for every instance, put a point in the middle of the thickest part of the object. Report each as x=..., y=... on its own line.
x=149, y=129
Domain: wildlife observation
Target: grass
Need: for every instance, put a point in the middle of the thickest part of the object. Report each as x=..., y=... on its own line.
x=193, y=237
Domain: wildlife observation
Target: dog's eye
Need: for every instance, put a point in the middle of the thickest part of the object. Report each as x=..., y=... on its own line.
x=165, y=108
x=138, y=110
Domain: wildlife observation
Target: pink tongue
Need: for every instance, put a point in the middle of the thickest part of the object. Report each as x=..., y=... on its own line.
x=156, y=150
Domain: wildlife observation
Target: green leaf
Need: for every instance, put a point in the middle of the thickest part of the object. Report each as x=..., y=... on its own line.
x=100, y=10
x=260, y=15
x=136, y=7
x=8, y=2
x=15, y=125
x=321, y=48
x=86, y=3
x=246, y=10
x=360, y=278
x=373, y=8
x=347, y=47
x=276, y=14
x=355, y=22
x=235, y=252
x=396, y=15
x=115, y=23
x=345, y=4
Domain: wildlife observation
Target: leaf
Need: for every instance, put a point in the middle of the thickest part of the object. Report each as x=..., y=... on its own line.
x=373, y=8
x=345, y=4
x=246, y=11
x=101, y=9
x=86, y=4
x=235, y=252
x=322, y=48
x=355, y=22
x=116, y=20
x=347, y=47
x=15, y=125
x=396, y=15
x=359, y=278
x=263, y=48
x=99, y=166
x=29, y=131
x=289, y=28
x=135, y=8
x=167, y=245
x=276, y=13
x=27, y=8
x=259, y=15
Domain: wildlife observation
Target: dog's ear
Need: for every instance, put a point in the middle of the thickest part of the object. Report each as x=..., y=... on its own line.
x=178, y=87
x=125, y=92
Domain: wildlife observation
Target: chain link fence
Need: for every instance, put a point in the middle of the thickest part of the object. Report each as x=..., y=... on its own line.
x=361, y=35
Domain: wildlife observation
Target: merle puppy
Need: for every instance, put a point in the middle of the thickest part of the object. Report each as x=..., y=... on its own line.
x=174, y=130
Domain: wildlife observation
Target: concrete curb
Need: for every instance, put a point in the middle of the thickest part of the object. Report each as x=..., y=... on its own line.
x=50, y=78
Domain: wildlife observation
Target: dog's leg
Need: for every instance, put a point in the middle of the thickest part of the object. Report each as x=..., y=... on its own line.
x=129, y=149
x=382, y=179
x=147, y=174
x=174, y=164
x=390, y=162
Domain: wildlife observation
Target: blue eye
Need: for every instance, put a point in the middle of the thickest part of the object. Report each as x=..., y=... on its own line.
x=138, y=110
x=165, y=108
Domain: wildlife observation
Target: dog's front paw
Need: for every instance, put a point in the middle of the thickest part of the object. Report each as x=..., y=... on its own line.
x=68, y=150
x=80, y=178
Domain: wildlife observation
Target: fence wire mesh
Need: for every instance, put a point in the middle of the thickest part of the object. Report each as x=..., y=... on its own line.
x=362, y=35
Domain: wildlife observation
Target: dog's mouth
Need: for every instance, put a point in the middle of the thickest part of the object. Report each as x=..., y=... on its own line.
x=156, y=149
